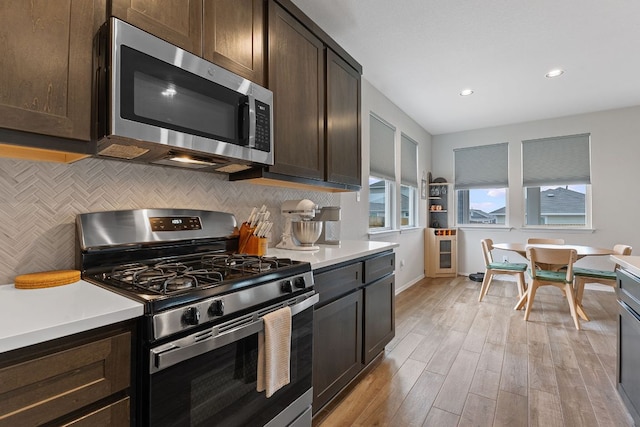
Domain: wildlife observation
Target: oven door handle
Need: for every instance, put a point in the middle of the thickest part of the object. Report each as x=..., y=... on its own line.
x=186, y=348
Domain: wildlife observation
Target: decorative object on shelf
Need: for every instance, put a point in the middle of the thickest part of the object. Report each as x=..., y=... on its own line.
x=439, y=180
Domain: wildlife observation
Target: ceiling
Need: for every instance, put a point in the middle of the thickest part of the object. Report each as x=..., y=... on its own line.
x=422, y=53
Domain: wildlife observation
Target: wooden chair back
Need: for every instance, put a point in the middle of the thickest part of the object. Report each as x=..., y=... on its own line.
x=548, y=256
x=487, y=247
x=620, y=249
x=536, y=240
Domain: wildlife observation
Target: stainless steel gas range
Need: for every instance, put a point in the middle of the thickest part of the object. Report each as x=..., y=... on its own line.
x=196, y=357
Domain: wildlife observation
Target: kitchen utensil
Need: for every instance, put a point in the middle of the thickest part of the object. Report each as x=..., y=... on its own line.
x=296, y=210
x=306, y=232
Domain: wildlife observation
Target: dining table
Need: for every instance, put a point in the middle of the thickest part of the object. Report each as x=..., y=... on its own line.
x=581, y=251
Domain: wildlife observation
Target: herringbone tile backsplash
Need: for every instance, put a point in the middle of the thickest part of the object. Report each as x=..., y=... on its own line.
x=39, y=202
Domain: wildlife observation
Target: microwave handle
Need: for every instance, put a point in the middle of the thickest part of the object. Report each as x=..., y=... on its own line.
x=244, y=111
x=172, y=353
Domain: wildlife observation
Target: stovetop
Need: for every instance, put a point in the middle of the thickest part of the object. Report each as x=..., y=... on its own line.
x=188, y=274
x=176, y=281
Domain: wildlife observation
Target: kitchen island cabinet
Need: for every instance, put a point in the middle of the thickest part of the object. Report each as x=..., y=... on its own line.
x=66, y=355
x=45, y=90
x=79, y=380
x=353, y=321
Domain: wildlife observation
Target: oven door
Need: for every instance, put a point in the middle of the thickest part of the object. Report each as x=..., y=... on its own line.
x=213, y=380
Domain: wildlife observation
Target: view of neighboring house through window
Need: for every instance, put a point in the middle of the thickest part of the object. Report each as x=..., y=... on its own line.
x=556, y=179
x=408, y=182
x=481, y=182
x=381, y=175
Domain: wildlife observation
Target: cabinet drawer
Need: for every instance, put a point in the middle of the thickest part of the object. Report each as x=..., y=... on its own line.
x=629, y=289
x=340, y=281
x=114, y=415
x=42, y=389
x=380, y=266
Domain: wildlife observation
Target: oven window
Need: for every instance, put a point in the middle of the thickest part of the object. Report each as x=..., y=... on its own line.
x=219, y=387
x=158, y=93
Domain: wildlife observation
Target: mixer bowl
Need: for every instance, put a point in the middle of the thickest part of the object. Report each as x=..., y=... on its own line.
x=306, y=232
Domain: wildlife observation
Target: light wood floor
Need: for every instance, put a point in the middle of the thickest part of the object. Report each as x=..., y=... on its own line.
x=455, y=361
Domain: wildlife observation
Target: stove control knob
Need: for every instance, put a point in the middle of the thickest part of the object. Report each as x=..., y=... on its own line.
x=191, y=316
x=286, y=286
x=299, y=282
x=216, y=308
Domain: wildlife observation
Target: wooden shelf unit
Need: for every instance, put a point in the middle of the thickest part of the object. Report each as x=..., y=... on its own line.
x=440, y=252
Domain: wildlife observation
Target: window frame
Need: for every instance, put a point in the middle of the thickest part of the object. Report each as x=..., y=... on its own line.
x=413, y=206
x=577, y=144
x=389, y=205
x=495, y=158
x=588, y=207
x=482, y=225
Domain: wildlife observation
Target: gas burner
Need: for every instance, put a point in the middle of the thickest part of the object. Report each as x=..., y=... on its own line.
x=180, y=283
x=207, y=274
x=151, y=275
x=258, y=266
x=127, y=272
x=177, y=267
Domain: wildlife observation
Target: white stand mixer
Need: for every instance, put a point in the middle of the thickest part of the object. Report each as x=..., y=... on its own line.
x=303, y=210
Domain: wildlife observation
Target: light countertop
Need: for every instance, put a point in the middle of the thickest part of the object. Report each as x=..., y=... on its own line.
x=32, y=316
x=334, y=254
x=628, y=262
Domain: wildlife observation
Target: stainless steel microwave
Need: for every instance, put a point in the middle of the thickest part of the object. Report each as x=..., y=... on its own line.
x=157, y=103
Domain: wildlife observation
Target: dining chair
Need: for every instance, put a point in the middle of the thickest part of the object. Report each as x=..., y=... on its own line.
x=492, y=268
x=537, y=240
x=560, y=279
x=589, y=275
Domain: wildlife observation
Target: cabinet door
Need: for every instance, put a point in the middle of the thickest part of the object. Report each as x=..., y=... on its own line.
x=45, y=388
x=46, y=66
x=296, y=77
x=343, y=121
x=177, y=21
x=234, y=36
x=379, y=319
x=337, y=341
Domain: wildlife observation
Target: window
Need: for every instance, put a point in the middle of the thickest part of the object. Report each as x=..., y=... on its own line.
x=408, y=182
x=381, y=175
x=556, y=179
x=481, y=182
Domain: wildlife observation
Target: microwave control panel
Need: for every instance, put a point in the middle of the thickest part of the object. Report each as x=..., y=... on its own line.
x=263, y=126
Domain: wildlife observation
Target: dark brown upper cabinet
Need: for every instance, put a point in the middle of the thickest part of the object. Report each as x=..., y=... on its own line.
x=343, y=122
x=234, y=38
x=297, y=79
x=177, y=21
x=45, y=89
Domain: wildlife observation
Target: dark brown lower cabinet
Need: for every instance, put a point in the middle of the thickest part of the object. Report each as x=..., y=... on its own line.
x=353, y=321
x=337, y=338
x=81, y=380
x=379, y=325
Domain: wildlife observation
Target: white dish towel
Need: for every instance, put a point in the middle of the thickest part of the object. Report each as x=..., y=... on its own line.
x=274, y=351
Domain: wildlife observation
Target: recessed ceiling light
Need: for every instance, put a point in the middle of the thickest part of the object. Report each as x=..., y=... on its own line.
x=466, y=92
x=554, y=73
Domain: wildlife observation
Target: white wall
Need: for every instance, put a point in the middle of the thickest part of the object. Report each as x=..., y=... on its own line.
x=615, y=175
x=355, y=213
